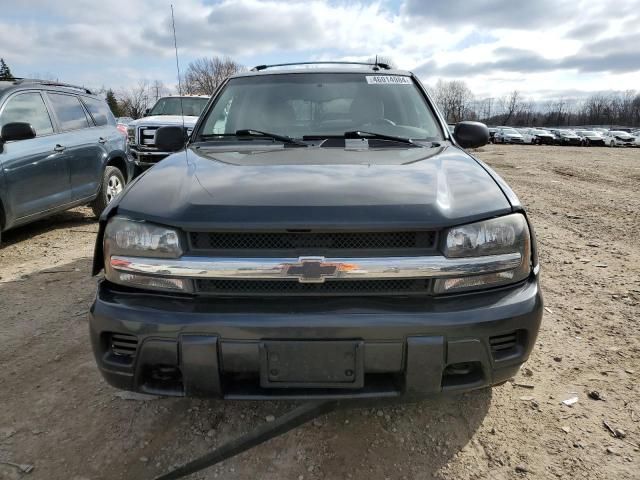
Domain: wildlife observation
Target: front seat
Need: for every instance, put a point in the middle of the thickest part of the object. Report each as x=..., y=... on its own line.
x=366, y=109
x=278, y=117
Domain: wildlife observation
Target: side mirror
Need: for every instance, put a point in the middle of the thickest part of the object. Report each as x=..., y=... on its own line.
x=146, y=112
x=171, y=139
x=471, y=134
x=17, y=131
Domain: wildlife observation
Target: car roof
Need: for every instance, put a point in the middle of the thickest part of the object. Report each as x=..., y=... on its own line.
x=8, y=86
x=315, y=69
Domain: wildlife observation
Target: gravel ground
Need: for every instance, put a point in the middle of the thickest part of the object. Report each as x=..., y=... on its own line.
x=59, y=416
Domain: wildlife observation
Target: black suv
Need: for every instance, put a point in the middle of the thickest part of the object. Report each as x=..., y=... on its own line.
x=59, y=148
x=322, y=235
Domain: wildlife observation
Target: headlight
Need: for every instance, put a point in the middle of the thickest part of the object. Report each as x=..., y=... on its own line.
x=503, y=235
x=124, y=237
x=141, y=239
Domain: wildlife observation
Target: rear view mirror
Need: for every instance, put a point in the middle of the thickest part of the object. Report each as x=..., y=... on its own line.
x=17, y=131
x=171, y=139
x=471, y=134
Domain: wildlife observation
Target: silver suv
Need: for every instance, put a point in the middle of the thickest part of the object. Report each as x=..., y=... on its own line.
x=168, y=111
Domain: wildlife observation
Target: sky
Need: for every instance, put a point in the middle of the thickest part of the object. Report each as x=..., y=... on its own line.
x=543, y=48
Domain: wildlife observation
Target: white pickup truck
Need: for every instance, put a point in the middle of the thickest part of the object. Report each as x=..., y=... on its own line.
x=168, y=111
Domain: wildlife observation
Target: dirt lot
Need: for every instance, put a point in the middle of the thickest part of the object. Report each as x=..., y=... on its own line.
x=58, y=415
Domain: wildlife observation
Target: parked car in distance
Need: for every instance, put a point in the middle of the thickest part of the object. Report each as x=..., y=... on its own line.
x=537, y=136
x=321, y=234
x=59, y=148
x=492, y=133
x=619, y=138
x=508, y=135
x=590, y=138
x=566, y=137
x=168, y=111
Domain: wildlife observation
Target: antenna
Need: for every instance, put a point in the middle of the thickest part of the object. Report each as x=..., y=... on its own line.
x=175, y=45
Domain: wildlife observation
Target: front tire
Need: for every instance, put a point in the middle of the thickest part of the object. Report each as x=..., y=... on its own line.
x=112, y=185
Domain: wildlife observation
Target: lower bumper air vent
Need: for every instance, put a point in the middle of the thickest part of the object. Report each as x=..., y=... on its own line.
x=123, y=347
x=507, y=345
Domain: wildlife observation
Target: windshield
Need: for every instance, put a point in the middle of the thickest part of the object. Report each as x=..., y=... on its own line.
x=538, y=132
x=510, y=131
x=587, y=132
x=191, y=106
x=323, y=105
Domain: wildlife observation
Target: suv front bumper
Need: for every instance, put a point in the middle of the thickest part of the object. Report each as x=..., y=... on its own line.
x=145, y=158
x=412, y=347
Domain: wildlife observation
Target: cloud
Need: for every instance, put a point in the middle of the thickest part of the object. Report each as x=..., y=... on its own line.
x=486, y=14
x=252, y=27
x=489, y=43
x=615, y=55
x=588, y=30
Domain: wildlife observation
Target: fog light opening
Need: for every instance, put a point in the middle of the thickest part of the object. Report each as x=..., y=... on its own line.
x=462, y=375
x=163, y=380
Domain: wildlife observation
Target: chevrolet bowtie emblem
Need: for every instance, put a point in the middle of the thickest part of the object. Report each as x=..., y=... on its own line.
x=311, y=270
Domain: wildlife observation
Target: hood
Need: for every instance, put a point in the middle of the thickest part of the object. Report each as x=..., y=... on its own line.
x=514, y=135
x=165, y=120
x=315, y=188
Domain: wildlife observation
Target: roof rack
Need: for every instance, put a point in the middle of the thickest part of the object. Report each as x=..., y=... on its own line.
x=374, y=65
x=52, y=83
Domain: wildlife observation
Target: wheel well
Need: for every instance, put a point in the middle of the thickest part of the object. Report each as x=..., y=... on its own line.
x=121, y=165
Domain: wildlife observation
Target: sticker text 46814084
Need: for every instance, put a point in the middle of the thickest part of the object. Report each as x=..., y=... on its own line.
x=388, y=80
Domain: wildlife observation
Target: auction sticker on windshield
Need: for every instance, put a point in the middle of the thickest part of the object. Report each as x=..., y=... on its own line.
x=388, y=80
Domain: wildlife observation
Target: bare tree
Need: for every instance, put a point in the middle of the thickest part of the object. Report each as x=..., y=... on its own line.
x=135, y=100
x=511, y=105
x=454, y=99
x=204, y=75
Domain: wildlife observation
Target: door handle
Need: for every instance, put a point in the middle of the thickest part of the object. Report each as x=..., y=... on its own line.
x=59, y=148
x=102, y=140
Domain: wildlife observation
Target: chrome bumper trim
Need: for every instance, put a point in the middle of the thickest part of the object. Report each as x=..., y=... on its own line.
x=321, y=268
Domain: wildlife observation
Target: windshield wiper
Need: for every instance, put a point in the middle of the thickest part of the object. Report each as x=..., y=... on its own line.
x=379, y=136
x=249, y=132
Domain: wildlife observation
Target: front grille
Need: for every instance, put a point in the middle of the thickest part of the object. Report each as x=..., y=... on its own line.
x=313, y=241
x=329, y=287
x=147, y=136
x=123, y=345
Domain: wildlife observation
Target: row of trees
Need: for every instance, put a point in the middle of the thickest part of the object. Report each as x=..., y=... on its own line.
x=457, y=102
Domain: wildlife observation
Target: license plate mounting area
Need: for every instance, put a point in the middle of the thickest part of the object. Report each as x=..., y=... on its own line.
x=312, y=364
